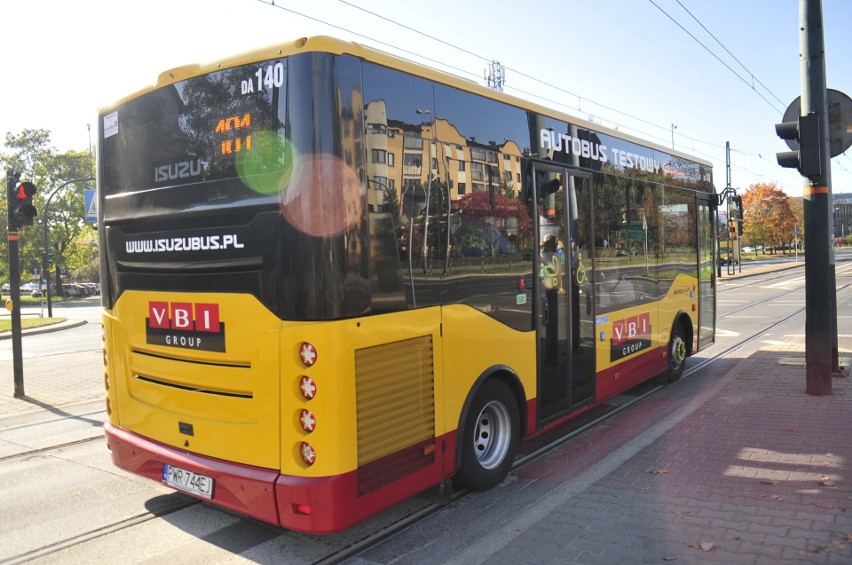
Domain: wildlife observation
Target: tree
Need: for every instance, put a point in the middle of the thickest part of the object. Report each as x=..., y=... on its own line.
x=486, y=219
x=768, y=216
x=71, y=241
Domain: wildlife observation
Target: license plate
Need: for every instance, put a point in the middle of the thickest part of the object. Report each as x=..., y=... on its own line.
x=187, y=481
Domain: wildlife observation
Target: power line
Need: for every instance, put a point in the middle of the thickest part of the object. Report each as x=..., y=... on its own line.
x=386, y=44
x=726, y=65
x=729, y=52
x=580, y=98
x=520, y=73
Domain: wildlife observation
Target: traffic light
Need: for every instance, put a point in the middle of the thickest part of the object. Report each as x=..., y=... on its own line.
x=21, y=209
x=737, y=203
x=807, y=158
x=732, y=229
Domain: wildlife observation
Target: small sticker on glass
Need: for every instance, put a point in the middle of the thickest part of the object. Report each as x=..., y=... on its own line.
x=110, y=124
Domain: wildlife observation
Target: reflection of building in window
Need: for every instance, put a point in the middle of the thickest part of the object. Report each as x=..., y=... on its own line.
x=463, y=165
x=375, y=116
x=413, y=140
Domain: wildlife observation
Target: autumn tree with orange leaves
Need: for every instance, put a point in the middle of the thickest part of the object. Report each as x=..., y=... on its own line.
x=768, y=215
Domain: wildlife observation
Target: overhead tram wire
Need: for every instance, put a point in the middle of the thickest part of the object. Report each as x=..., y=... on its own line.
x=532, y=78
x=386, y=44
x=580, y=98
x=471, y=53
x=726, y=65
x=417, y=31
x=685, y=9
x=538, y=80
x=564, y=91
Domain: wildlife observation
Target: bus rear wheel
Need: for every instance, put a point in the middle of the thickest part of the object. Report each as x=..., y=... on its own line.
x=490, y=437
x=677, y=354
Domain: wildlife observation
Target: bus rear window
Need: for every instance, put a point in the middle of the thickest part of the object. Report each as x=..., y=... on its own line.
x=217, y=126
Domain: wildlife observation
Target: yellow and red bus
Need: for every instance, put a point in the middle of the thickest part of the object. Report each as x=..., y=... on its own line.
x=333, y=278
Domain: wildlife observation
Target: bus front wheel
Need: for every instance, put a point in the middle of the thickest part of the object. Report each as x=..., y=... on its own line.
x=490, y=437
x=677, y=354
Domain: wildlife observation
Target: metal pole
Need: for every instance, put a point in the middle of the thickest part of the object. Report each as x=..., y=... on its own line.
x=15, y=292
x=728, y=164
x=47, y=243
x=820, y=316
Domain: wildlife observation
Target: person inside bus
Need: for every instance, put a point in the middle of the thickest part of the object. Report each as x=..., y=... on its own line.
x=578, y=277
x=550, y=281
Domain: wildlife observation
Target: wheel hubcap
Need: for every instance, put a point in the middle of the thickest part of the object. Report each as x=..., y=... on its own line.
x=492, y=435
x=678, y=352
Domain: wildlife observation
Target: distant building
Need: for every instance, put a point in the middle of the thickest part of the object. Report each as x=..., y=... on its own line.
x=842, y=214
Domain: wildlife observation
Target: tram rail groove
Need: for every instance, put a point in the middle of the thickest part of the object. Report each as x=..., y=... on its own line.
x=429, y=508
x=98, y=533
x=398, y=527
x=50, y=448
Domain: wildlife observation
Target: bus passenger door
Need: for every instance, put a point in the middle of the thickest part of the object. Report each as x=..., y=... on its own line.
x=564, y=304
x=706, y=271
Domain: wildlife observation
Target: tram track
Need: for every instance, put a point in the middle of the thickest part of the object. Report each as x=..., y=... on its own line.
x=526, y=459
x=51, y=448
x=845, y=270
x=428, y=508
x=176, y=505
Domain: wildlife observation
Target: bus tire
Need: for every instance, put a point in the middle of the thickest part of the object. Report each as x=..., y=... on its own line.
x=677, y=353
x=490, y=437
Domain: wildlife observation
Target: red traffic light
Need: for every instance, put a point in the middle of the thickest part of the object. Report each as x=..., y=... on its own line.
x=21, y=209
x=25, y=190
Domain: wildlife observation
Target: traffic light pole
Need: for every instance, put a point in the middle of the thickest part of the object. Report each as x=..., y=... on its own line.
x=15, y=292
x=821, y=352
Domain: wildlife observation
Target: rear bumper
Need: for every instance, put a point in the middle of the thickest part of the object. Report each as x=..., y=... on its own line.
x=315, y=505
x=241, y=488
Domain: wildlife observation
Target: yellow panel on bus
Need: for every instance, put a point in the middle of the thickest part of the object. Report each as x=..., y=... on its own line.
x=198, y=372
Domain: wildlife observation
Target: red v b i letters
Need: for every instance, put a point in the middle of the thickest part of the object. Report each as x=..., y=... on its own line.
x=185, y=325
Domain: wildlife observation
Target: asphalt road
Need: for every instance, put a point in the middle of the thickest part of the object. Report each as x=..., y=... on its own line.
x=62, y=500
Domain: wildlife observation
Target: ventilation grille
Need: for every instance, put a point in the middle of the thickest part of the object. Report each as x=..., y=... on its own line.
x=396, y=410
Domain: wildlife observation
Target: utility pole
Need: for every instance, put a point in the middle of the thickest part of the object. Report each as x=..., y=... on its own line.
x=820, y=298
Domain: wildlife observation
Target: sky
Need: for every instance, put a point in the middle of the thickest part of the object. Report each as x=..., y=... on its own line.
x=695, y=73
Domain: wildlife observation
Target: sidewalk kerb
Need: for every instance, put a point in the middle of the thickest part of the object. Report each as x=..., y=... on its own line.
x=66, y=325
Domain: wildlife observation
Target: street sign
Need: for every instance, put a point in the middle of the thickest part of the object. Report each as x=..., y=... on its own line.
x=91, y=206
x=839, y=121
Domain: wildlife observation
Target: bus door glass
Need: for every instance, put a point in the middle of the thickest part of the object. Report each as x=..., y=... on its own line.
x=706, y=271
x=564, y=305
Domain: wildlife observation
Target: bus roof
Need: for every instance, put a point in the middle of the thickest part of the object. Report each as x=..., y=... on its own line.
x=325, y=44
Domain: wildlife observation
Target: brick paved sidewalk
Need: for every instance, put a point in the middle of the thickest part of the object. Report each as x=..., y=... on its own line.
x=758, y=473
x=80, y=379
